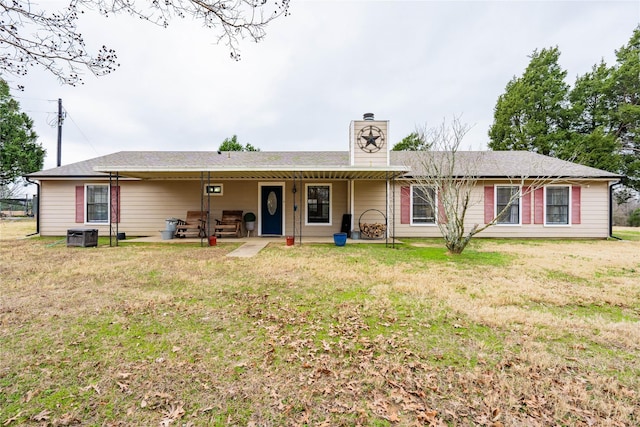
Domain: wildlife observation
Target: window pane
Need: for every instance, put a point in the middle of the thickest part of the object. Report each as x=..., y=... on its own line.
x=423, y=210
x=511, y=214
x=97, y=203
x=318, y=204
x=557, y=205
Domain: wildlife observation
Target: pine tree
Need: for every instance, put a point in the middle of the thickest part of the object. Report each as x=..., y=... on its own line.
x=532, y=113
x=20, y=154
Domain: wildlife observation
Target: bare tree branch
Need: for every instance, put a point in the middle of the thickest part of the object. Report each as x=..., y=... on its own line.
x=31, y=36
x=448, y=178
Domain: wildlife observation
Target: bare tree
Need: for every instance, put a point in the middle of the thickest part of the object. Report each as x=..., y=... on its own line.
x=31, y=35
x=447, y=177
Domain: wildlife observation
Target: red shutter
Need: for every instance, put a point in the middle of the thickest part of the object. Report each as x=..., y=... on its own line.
x=526, y=205
x=538, y=206
x=115, y=204
x=80, y=203
x=442, y=215
x=488, y=204
x=575, y=204
x=405, y=205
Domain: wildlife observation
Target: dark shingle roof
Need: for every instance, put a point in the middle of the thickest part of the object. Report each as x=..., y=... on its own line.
x=196, y=160
x=484, y=164
x=500, y=164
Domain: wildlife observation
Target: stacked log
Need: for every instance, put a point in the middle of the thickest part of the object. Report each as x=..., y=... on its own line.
x=373, y=230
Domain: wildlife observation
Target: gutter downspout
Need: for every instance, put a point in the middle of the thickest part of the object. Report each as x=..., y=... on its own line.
x=611, y=236
x=38, y=215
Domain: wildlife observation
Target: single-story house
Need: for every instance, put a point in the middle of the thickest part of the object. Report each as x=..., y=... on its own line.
x=318, y=193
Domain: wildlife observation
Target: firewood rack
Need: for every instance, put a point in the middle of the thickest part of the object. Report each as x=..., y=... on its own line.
x=373, y=230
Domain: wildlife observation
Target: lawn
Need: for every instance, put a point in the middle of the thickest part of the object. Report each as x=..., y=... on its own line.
x=510, y=333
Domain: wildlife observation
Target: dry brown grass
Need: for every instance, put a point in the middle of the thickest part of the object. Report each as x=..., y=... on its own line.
x=511, y=333
x=16, y=228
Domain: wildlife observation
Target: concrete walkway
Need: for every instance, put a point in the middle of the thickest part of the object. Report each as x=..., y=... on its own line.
x=249, y=249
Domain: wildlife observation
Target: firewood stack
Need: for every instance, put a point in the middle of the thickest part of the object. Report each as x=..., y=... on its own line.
x=372, y=230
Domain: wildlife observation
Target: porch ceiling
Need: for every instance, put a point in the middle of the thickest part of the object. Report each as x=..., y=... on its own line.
x=258, y=174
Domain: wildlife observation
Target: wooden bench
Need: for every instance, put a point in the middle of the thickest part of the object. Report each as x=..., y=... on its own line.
x=195, y=225
x=229, y=225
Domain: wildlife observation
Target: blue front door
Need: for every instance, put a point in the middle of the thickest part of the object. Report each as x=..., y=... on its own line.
x=271, y=210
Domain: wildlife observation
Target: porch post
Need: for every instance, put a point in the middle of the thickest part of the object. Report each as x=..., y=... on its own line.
x=352, y=202
x=201, y=201
x=393, y=211
x=110, y=208
x=208, y=205
x=118, y=205
x=386, y=201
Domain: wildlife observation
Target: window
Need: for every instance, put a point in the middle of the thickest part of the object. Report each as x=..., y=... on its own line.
x=97, y=203
x=319, y=204
x=422, y=209
x=213, y=190
x=508, y=202
x=557, y=205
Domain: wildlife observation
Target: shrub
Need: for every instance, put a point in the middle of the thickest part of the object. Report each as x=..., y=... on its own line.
x=634, y=218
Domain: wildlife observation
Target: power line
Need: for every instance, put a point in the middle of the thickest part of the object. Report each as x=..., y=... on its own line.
x=66, y=112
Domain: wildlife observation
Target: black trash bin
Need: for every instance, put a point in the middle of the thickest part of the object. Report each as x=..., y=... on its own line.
x=346, y=224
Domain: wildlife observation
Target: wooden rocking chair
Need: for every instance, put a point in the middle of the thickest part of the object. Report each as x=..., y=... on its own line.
x=195, y=225
x=229, y=225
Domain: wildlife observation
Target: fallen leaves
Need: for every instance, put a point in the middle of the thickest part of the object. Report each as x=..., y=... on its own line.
x=240, y=355
x=44, y=415
x=173, y=413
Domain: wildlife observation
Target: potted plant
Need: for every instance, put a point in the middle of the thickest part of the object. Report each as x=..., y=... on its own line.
x=249, y=221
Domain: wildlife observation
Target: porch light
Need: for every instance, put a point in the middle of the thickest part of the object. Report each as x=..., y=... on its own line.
x=214, y=190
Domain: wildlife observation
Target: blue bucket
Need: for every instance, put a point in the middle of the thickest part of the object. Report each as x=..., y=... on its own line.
x=340, y=239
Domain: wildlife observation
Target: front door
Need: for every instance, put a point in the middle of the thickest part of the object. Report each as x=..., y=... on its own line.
x=271, y=210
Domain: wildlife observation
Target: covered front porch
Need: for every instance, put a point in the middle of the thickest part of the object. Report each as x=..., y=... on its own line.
x=303, y=203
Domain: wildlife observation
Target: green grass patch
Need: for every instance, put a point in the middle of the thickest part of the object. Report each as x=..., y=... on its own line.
x=606, y=311
x=620, y=272
x=564, y=276
x=175, y=334
x=419, y=251
x=627, y=234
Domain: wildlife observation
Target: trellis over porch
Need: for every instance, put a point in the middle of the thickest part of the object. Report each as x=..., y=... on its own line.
x=353, y=190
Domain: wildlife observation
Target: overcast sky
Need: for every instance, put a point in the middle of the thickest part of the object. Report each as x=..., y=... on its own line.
x=409, y=62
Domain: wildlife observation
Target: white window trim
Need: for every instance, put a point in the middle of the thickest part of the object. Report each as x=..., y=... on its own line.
x=495, y=205
x=435, y=210
x=306, y=204
x=568, y=224
x=84, y=207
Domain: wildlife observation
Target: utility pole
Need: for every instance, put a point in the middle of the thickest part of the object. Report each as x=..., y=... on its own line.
x=60, y=120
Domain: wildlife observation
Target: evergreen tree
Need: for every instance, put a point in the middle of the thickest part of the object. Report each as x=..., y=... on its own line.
x=591, y=141
x=412, y=142
x=232, y=144
x=625, y=111
x=597, y=123
x=532, y=113
x=20, y=154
